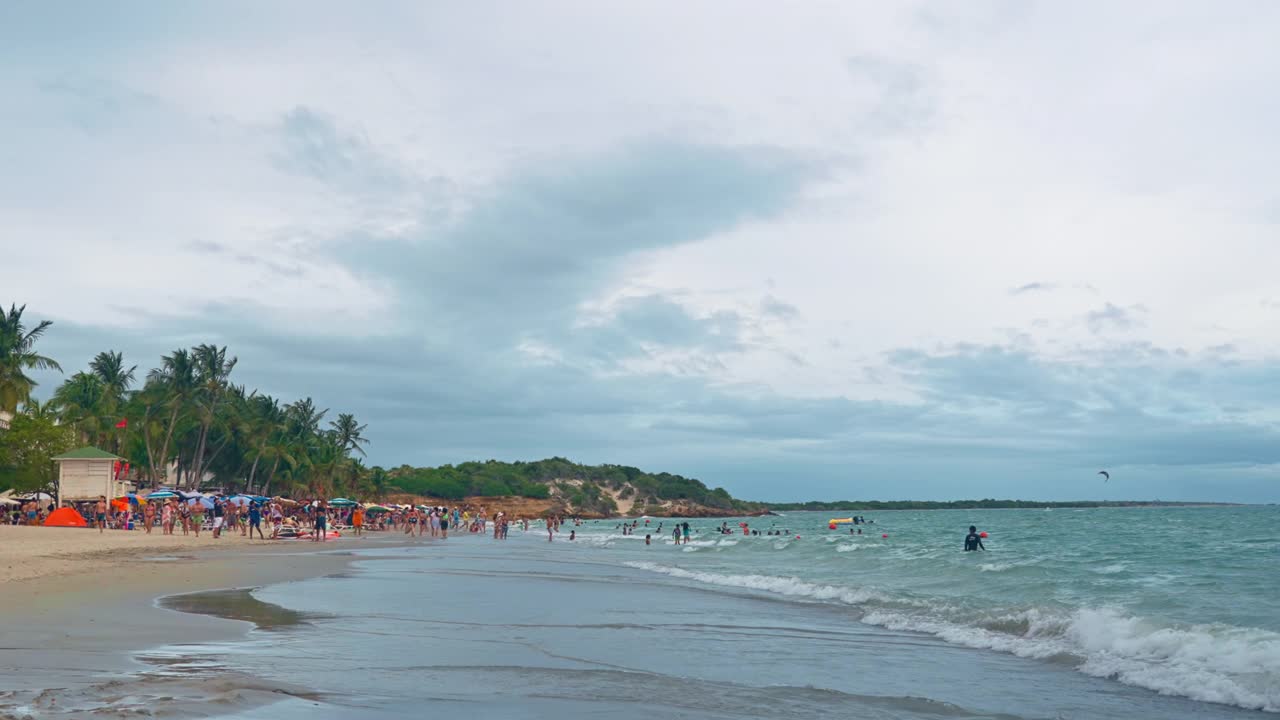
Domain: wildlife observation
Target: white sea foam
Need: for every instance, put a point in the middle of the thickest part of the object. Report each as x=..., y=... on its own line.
x=1212, y=663
x=786, y=586
x=846, y=548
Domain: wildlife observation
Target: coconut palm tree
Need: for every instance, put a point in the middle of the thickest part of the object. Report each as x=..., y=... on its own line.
x=213, y=370
x=348, y=433
x=17, y=356
x=116, y=379
x=83, y=404
x=174, y=383
x=264, y=421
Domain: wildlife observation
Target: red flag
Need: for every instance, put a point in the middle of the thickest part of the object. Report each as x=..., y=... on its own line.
x=124, y=423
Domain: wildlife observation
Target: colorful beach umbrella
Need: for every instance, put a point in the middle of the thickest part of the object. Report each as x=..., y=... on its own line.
x=162, y=495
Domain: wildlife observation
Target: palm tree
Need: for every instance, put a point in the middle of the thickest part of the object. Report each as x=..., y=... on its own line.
x=83, y=404
x=301, y=438
x=213, y=369
x=175, y=384
x=349, y=433
x=17, y=355
x=378, y=480
x=37, y=410
x=109, y=367
x=264, y=421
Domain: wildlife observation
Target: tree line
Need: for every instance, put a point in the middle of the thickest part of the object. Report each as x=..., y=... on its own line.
x=581, y=485
x=182, y=424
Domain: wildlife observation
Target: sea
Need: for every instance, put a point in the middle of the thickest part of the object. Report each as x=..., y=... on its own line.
x=1068, y=613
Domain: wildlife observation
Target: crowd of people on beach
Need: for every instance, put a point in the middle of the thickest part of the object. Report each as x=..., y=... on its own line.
x=277, y=518
x=31, y=511
x=319, y=520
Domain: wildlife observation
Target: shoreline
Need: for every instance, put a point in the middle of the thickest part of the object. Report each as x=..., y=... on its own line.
x=80, y=616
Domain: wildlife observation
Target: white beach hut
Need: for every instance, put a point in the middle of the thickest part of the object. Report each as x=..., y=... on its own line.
x=85, y=474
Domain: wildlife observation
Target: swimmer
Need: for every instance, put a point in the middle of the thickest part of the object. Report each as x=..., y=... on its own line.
x=972, y=541
x=646, y=539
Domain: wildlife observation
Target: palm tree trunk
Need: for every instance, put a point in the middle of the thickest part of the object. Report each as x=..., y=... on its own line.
x=164, y=449
x=253, y=470
x=146, y=439
x=197, y=462
x=270, y=476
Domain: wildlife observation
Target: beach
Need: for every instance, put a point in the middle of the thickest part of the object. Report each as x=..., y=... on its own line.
x=808, y=623
x=79, y=606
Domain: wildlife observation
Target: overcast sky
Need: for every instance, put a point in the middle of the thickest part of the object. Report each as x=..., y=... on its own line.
x=801, y=250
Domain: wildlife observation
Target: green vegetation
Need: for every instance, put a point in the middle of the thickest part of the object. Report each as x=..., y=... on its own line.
x=987, y=504
x=188, y=425
x=34, y=437
x=586, y=488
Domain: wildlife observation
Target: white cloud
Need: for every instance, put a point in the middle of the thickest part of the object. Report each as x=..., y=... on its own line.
x=1067, y=178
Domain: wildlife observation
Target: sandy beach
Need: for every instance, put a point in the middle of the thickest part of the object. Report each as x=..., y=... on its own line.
x=28, y=553
x=79, y=606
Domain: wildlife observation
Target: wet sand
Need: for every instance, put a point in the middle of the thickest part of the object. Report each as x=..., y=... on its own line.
x=78, y=608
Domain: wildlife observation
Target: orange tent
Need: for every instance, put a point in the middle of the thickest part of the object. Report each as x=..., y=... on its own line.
x=65, y=517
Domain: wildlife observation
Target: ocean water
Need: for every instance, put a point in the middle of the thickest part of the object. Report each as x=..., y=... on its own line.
x=1107, y=613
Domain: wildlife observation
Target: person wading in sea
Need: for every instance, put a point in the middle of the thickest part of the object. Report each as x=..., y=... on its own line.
x=973, y=541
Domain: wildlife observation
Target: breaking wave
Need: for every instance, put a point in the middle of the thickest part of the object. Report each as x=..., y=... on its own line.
x=1212, y=663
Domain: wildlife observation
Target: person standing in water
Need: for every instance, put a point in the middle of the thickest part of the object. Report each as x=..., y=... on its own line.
x=973, y=541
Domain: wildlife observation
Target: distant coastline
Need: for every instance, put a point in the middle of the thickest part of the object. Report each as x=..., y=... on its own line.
x=984, y=504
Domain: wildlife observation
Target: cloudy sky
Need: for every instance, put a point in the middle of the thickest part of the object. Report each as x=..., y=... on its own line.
x=843, y=249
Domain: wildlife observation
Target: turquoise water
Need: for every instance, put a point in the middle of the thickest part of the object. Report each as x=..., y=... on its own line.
x=1183, y=601
x=1100, y=614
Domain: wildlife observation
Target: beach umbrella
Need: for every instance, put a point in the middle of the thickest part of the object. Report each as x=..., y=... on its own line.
x=377, y=508
x=343, y=502
x=7, y=501
x=200, y=500
x=286, y=501
x=240, y=500
x=38, y=496
x=162, y=495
